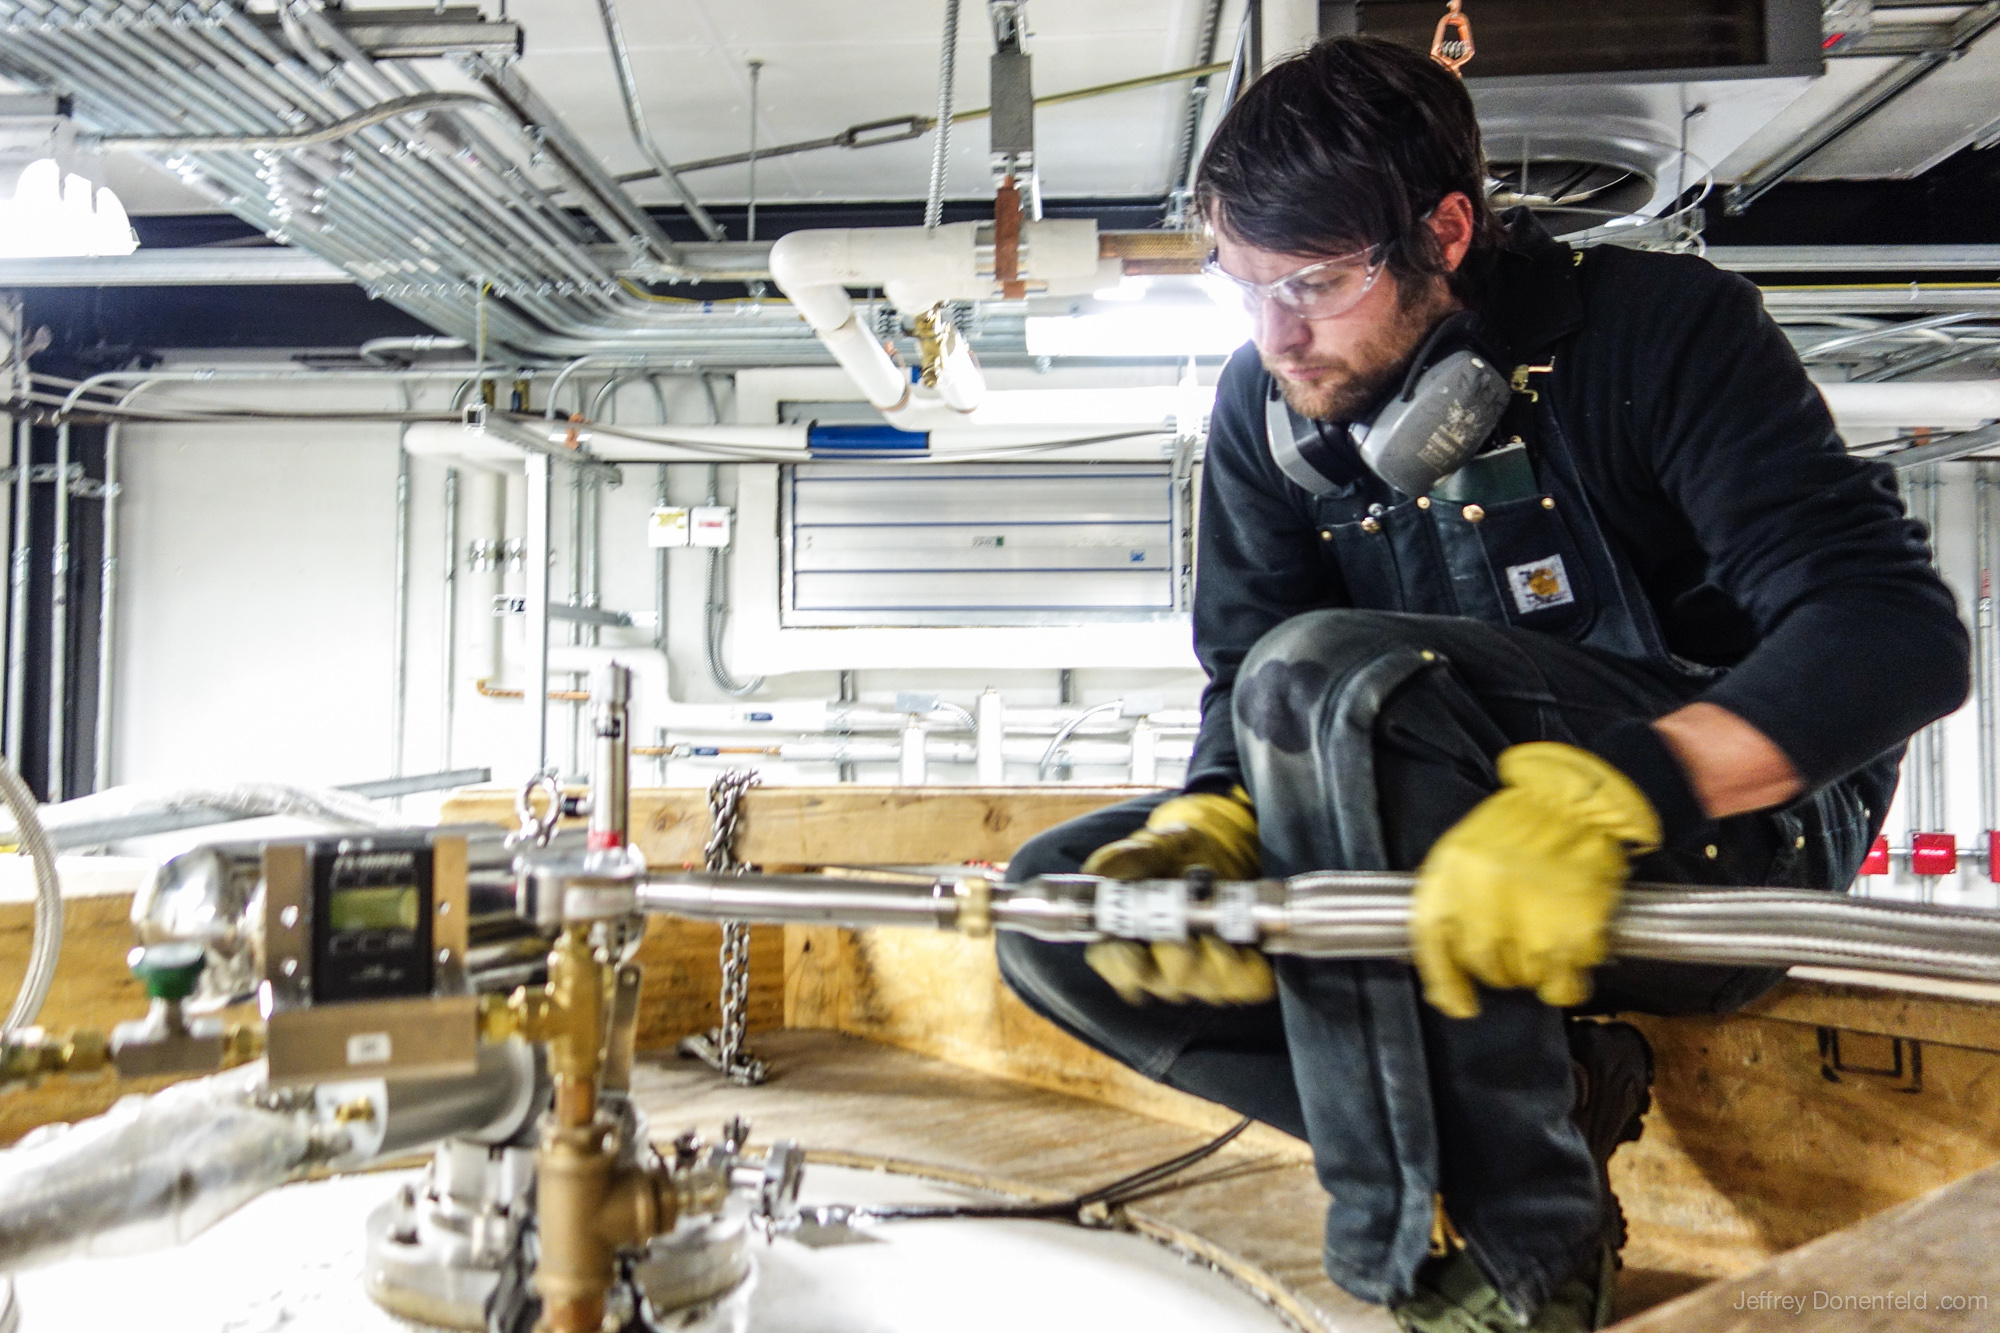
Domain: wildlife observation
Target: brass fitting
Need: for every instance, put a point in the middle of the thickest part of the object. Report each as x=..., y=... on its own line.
x=568, y=1014
x=572, y=1178
x=84, y=1051
x=587, y=1211
x=524, y=1014
x=359, y=1109
x=575, y=1025
x=242, y=1043
x=936, y=337
x=975, y=906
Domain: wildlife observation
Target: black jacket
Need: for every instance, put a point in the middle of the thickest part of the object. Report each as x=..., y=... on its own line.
x=1709, y=458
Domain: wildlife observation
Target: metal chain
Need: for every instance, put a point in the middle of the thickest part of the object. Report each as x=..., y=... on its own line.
x=721, y=1047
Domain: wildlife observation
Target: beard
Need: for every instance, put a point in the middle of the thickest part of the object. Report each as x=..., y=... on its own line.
x=1342, y=387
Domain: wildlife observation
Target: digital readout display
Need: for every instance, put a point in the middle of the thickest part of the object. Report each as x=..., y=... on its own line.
x=388, y=907
x=373, y=911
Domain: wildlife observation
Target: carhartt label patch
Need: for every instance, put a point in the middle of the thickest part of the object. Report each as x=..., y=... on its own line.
x=1540, y=584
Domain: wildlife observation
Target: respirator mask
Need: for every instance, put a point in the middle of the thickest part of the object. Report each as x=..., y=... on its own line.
x=1451, y=398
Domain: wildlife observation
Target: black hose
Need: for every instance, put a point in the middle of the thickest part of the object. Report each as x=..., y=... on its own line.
x=1072, y=1209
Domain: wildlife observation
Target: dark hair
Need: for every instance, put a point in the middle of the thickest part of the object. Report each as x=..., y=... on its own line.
x=1349, y=145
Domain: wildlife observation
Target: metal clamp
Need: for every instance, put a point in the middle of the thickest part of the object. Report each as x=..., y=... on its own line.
x=538, y=829
x=1145, y=909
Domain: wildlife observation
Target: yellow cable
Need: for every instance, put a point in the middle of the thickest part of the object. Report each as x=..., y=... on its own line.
x=644, y=295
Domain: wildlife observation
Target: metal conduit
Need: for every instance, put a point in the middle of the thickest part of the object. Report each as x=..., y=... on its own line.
x=1356, y=914
x=17, y=606
x=448, y=618
x=59, y=621
x=635, y=117
x=1986, y=662
x=117, y=81
x=941, y=146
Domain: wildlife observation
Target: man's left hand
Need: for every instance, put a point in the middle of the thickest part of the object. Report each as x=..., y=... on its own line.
x=1517, y=893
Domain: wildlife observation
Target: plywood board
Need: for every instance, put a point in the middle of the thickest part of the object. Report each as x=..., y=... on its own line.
x=92, y=989
x=1929, y=1266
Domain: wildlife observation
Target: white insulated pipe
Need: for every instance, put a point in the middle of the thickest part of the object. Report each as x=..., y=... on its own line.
x=990, y=735
x=1942, y=404
x=918, y=267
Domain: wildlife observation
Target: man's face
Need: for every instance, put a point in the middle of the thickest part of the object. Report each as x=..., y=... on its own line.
x=1332, y=369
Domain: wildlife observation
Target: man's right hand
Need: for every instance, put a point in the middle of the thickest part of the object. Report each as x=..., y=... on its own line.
x=1200, y=829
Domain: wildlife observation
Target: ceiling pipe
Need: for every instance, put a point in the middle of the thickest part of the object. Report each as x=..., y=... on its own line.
x=919, y=268
x=1941, y=404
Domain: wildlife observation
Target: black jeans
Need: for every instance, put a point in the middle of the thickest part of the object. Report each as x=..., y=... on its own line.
x=1364, y=735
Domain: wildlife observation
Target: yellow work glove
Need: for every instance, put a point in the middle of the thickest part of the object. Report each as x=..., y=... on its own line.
x=1201, y=829
x=1517, y=893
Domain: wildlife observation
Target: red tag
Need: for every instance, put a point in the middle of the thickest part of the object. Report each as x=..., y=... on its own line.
x=1877, y=860
x=1993, y=862
x=1933, y=854
x=604, y=840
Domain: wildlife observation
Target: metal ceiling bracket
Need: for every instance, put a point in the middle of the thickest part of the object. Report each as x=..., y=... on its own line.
x=1969, y=29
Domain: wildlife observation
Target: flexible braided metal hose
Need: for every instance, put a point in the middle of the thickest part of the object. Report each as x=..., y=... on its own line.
x=1357, y=914
x=47, y=947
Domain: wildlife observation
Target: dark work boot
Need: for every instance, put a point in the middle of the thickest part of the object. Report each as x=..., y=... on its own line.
x=1613, y=1065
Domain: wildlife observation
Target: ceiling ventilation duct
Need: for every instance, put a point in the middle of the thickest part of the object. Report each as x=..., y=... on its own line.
x=1607, y=118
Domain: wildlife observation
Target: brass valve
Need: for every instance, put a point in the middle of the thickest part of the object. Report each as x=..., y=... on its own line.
x=937, y=337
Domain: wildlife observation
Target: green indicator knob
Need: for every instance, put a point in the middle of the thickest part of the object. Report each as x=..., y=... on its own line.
x=168, y=971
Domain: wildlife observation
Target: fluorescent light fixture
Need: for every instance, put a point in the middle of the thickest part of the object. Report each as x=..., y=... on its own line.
x=53, y=216
x=51, y=206
x=1142, y=330
x=1132, y=287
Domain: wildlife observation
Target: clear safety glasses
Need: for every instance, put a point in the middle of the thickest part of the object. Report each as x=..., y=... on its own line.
x=1317, y=291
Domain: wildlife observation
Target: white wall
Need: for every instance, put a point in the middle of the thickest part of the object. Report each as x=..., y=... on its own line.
x=255, y=586
x=1959, y=563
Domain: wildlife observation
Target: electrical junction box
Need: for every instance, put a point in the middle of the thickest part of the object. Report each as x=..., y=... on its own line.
x=710, y=525
x=667, y=527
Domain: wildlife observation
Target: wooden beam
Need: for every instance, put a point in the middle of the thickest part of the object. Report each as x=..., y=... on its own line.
x=838, y=825
x=1882, y=1007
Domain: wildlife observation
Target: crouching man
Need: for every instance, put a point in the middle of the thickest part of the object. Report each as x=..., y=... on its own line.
x=1532, y=570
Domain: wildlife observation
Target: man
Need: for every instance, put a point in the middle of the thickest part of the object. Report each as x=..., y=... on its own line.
x=1661, y=625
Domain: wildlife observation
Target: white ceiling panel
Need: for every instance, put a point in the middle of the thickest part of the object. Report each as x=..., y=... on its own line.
x=1843, y=81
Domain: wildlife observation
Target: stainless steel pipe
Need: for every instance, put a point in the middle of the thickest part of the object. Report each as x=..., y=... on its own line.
x=1358, y=914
